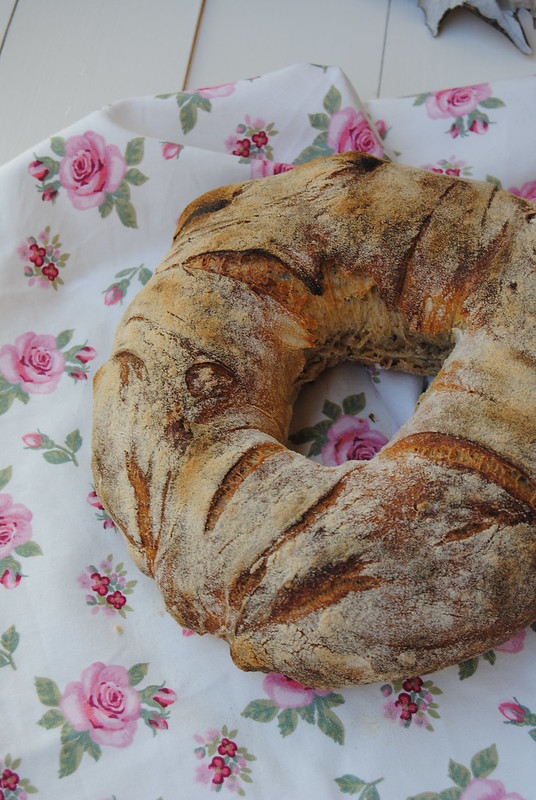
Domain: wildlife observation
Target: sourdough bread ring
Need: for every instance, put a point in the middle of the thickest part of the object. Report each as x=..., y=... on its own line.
x=417, y=559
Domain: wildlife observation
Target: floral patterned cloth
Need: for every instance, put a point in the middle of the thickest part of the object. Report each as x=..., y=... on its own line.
x=102, y=695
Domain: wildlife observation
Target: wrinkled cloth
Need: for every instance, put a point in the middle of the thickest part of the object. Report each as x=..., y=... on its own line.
x=102, y=694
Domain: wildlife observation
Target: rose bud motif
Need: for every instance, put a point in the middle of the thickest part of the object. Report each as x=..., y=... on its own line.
x=513, y=712
x=38, y=170
x=86, y=354
x=113, y=295
x=478, y=126
x=33, y=440
x=158, y=722
x=171, y=150
x=165, y=697
x=49, y=194
x=10, y=579
x=94, y=501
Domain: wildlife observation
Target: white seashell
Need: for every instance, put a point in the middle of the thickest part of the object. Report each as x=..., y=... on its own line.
x=502, y=14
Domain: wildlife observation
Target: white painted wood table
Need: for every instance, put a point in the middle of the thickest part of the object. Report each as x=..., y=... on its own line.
x=62, y=59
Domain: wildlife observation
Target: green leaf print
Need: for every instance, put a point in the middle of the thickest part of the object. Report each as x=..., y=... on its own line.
x=57, y=145
x=354, y=404
x=332, y=100
x=459, y=774
x=125, y=210
x=63, y=339
x=260, y=710
x=351, y=784
x=28, y=549
x=5, y=476
x=137, y=673
x=134, y=151
x=287, y=721
x=467, y=668
x=188, y=117
x=331, y=410
x=47, y=691
x=484, y=762
x=328, y=722
x=70, y=757
x=135, y=177
x=107, y=207
x=9, y=643
x=319, y=121
x=492, y=102
x=73, y=441
x=51, y=719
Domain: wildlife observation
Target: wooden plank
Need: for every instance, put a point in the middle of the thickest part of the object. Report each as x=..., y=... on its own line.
x=65, y=59
x=467, y=51
x=6, y=9
x=238, y=40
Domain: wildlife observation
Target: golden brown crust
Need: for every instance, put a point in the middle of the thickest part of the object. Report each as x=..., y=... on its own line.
x=420, y=558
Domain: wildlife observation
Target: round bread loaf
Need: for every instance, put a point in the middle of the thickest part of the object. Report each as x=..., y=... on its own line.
x=417, y=559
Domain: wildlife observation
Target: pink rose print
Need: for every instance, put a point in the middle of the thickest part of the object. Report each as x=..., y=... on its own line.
x=261, y=168
x=350, y=130
x=286, y=693
x=33, y=362
x=527, y=190
x=92, y=173
x=43, y=259
x=103, y=708
x=343, y=435
x=474, y=783
x=456, y=102
x=15, y=527
x=289, y=701
x=224, y=762
x=341, y=130
x=90, y=169
x=104, y=704
x=464, y=105
x=486, y=789
x=15, y=536
x=351, y=439
x=513, y=645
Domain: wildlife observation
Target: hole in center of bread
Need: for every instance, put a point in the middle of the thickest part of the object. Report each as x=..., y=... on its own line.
x=350, y=411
